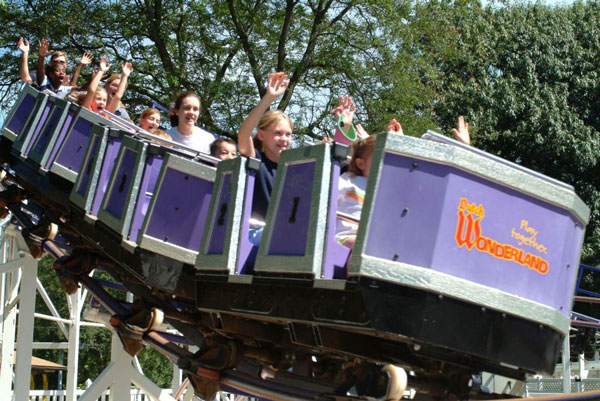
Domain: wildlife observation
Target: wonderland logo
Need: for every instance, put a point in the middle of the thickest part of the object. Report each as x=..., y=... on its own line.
x=468, y=235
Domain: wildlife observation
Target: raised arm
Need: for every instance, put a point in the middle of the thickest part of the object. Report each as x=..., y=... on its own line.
x=126, y=70
x=23, y=67
x=361, y=132
x=276, y=86
x=86, y=58
x=91, y=90
x=43, y=51
x=346, y=107
x=461, y=132
x=394, y=127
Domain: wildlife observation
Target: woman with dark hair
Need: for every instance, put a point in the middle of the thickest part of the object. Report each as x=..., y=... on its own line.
x=113, y=88
x=183, y=120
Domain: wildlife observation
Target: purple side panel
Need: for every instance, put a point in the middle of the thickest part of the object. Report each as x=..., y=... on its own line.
x=509, y=215
x=49, y=130
x=247, y=251
x=84, y=182
x=290, y=226
x=61, y=136
x=19, y=118
x=336, y=255
x=219, y=226
x=117, y=197
x=180, y=209
x=108, y=165
x=39, y=126
x=408, y=234
x=75, y=145
x=151, y=172
x=415, y=220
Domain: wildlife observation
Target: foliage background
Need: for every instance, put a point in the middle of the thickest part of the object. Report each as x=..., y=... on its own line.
x=94, y=342
x=525, y=75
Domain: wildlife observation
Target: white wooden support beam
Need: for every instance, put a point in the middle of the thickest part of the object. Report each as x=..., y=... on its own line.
x=9, y=320
x=9, y=317
x=98, y=386
x=119, y=375
x=122, y=371
x=49, y=345
x=13, y=303
x=177, y=379
x=70, y=304
x=43, y=316
x=15, y=264
x=51, y=307
x=136, y=364
x=92, y=324
x=2, y=293
x=150, y=388
x=25, y=328
x=566, y=357
x=84, y=294
x=73, y=353
x=583, y=373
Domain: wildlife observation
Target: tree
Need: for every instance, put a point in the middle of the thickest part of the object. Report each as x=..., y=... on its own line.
x=524, y=75
x=526, y=78
x=224, y=51
x=95, y=342
x=94, y=353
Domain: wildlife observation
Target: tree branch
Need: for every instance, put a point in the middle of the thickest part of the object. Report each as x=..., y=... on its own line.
x=301, y=67
x=289, y=13
x=153, y=16
x=242, y=35
x=221, y=74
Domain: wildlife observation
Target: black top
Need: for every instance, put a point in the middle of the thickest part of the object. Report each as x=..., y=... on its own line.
x=263, y=185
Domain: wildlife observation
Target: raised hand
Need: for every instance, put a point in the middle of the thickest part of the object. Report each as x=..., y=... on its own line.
x=23, y=45
x=277, y=84
x=103, y=65
x=361, y=133
x=44, y=48
x=461, y=132
x=347, y=107
x=395, y=127
x=86, y=58
x=126, y=69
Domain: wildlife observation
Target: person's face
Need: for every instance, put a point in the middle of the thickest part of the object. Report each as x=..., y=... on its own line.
x=227, y=151
x=112, y=87
x=364, y=163
x=276, y=138
x=189, y=111
x=100, y=100
x=57, y=75
x=149, y=122
x=59, y=60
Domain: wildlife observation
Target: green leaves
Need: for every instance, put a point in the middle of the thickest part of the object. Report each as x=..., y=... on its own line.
x=525, y=76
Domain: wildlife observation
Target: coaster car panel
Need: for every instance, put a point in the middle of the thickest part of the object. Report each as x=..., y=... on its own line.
x=462, y=263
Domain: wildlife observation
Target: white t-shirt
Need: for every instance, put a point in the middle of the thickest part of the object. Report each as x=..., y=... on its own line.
x=200, y=140
x=351, y=195
x=61, y=92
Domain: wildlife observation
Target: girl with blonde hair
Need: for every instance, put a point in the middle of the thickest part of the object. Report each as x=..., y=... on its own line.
x=273, y=136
